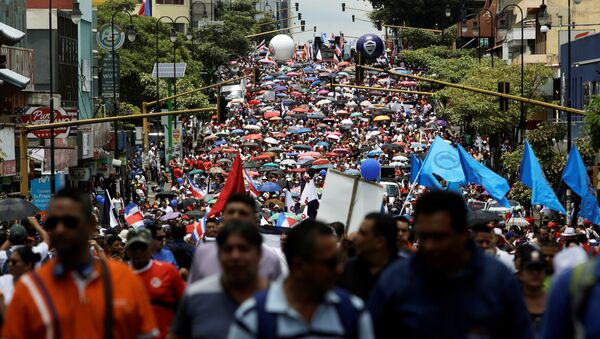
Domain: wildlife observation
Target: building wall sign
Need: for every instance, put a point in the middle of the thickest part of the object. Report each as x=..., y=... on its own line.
x=41, y=116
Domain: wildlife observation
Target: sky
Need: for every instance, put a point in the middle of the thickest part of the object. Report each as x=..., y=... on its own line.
x=327, y=15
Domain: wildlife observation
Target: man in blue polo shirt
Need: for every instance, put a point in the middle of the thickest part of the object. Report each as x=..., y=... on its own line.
x=449, y=288
x=208, y=306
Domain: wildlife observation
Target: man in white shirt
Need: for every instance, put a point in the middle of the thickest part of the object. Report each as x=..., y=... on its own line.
x=485, y=238
x=16, y=238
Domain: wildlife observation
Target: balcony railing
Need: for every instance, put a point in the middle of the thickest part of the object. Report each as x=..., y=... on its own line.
x=20, y=60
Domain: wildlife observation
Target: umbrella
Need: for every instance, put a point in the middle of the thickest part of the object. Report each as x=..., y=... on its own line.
x=262, y=157
x=271, y=164
x=305, y=160
x=352, y=172
x=301, y=130
x=271, y=114
x=253, y=102
x=16, y=209
x=481, y=216
x=275, y=150
x=195, y=214
x=333, y=137
x=250, y=144
x=310, y=154
x=316, y=115
x=268, y=169
x=237, y=132
x=381, y=118
x=269, y=187
x=253, y=137
x=321, y=162
x=252, y=127
x=298, y=170
x=216, y=170
x=166, y=195
x=220, y=161
x=392, y=147
x=300, y=110
x=195, y=171
x=342, y=150
x=374, y=153
x=252, y=164
x=170, y=216
x=271, y=141
x=288, y=162
x=302, y=147
x=323, y=102
x=400, y=158
x=319, y=167
x=189, y=202
x=417, y=145
x=346, y=122
x=397, y=164
x=322, y=144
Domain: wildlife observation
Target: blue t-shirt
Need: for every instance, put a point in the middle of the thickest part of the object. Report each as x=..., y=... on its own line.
x=482, y=301
x=206, y=311
x=165, y=255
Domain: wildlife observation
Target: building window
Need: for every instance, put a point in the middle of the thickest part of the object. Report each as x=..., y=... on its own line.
x=169, y=2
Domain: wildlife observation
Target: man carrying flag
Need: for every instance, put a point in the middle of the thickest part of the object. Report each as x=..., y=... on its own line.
x=197, y=192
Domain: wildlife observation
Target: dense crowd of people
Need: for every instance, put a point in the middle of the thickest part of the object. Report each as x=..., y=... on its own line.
x=155, y=260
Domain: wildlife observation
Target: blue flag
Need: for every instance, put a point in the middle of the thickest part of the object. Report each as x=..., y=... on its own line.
x=443, y=160
x=532, y=176
x=427, y=180
x=477, y=173
x=575, y=176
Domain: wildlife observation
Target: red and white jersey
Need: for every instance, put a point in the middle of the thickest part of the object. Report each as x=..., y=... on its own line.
x=165, y=288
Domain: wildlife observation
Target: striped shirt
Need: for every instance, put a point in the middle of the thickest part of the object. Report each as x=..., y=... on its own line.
x=325, y=323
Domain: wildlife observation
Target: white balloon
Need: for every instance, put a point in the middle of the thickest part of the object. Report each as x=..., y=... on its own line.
x=282, y=47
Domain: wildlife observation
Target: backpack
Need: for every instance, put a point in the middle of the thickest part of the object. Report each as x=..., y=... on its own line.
x=5, y=265
x=347, y=312
x=581, y=283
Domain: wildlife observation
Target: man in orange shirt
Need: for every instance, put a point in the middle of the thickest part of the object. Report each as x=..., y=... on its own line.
x=162, y=281
x=75, y=295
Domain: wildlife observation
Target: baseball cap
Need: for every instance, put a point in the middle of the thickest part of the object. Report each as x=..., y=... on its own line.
x=18, y=233
x=139, y=235
x=531, y=257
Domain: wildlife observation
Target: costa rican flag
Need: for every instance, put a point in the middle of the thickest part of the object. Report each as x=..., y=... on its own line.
x=252, y=186
x=197, y=192
x=146, y=8
x=133, y=216
x=262, y=46
x=197, y=230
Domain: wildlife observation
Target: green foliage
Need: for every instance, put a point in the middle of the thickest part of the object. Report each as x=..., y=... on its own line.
x=183, y=85
x=417, y=38
x=211, y=47
x=592, y=123
x=415, y=13
x=480, y=111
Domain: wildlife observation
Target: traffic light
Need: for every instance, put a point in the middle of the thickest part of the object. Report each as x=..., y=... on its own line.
x=503, y=87
x=315, y=29
x=256, y=75
x=302, y=25
x=343, y=6
x=297, y=6
x=360, y=72
x=353, y=18
x=378, y=25
x=221, y=108
x=299, y=16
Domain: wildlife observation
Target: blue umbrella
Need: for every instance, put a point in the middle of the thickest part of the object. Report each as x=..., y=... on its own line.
x=220, y=142
x=312, y=79
x=280, y=88
x=323, y=143
x=352, y=172
x=292, y=154
x=281, y=95
x=237, y=132
x=299, y=130
x=317, y=115
x=269, y=187
x=308, y=69
x=268, y=77
x=316, y=83
x=375, y=152
x=283, y=77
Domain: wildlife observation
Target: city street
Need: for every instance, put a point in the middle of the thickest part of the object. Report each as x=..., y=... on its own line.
x=282, y=169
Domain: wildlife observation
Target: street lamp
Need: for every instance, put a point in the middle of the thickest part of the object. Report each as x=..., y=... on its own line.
x=75, y=18
x=448, y=11
x=131, y=35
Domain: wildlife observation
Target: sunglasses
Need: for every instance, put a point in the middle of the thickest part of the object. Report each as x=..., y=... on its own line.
x=67, y=221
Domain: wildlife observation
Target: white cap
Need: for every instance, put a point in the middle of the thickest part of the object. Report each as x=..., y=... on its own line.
x=123, y=235
x=569, y=232
x=497, y=231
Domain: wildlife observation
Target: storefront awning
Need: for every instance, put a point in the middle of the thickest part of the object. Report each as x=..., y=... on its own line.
x=13, y=78
x=9, y=35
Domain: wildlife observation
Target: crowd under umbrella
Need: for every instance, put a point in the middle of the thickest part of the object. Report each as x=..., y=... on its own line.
x=16, y=209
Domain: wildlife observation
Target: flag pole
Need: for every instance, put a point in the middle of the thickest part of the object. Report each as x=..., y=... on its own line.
x=412, y=187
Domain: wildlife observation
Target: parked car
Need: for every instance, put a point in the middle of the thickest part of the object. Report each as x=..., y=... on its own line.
x=495, y=207
x=391, y=190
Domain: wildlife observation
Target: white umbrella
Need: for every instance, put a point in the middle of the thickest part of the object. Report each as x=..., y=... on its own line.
x=333, y=137
x=323, y=102
x=517, y=221
x=252, y=127
x=397, y=164
x=271, y=141
x=288, y=162
x=346, y=122
x=400, y=158
x=366, y=103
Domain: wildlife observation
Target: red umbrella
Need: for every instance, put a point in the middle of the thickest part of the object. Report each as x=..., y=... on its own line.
x=229, y=150
x=310, y=154
x=331, y=154
x=262, y=157
x=253, y=137
x=216, y=150
x=271, y=114
x=342, y=150
x=300, y=110
x=296, y=94
x=253, y=102
x=294, y=74
x=321, y=162
x=298, y=170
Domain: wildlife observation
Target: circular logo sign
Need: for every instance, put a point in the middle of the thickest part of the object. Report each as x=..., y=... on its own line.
x=41, y=116
x=446, y=160
x=155, y=282
x=104, y=37
x=371, y=45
